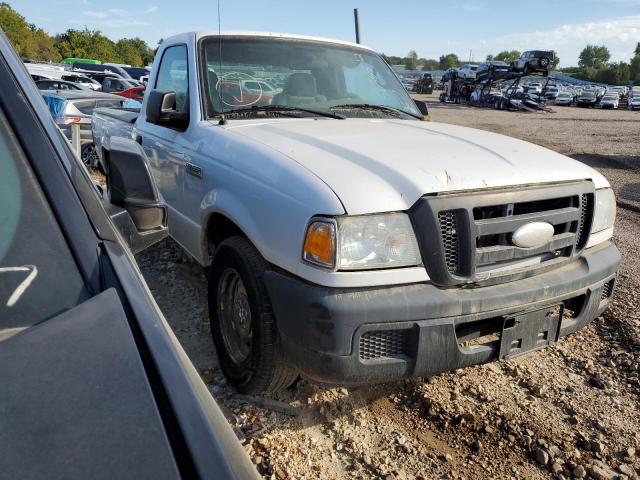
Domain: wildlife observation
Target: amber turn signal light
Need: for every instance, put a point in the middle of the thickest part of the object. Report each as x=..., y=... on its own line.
x=320, y=244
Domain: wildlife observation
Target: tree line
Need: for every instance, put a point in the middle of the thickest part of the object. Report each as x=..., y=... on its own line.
x=33, y=43
x=594, y=65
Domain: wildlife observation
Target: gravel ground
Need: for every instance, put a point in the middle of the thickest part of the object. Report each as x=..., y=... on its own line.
x=570, y=411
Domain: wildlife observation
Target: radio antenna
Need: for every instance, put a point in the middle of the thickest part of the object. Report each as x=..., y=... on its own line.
x=223, y=120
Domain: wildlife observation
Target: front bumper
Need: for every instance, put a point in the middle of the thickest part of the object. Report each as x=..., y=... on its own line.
x=323, y=329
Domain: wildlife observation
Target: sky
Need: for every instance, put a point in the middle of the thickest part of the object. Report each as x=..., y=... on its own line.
x=469, y=28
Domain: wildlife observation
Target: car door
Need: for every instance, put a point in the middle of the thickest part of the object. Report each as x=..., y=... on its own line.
x=164, y=145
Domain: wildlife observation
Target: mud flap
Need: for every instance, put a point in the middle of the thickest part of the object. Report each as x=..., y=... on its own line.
x=530, y=331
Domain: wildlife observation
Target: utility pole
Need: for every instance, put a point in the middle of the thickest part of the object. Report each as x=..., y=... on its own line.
x=357, y=22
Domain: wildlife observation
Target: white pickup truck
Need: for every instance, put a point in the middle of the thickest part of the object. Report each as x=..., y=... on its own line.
x=347, y=239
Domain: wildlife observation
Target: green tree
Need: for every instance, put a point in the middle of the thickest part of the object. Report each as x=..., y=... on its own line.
x=16, y=28
x=507, y=56
x=87, y=44
x=634, y=69
x=637, y=50
x=594, y=56
x=614, y=74
x=428, y=64
x=43, y=46
x=489, y=58
x=555, y=62
x=450, y=60
x=135, y=51
x=411, y=60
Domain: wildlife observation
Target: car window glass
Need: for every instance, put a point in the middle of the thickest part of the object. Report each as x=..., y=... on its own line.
x=173, y=75
x=38, y=276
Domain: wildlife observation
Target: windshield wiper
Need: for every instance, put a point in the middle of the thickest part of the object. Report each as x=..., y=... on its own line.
x=382, y=108
x=283, y=108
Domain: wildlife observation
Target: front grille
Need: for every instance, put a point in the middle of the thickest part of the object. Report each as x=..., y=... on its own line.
x=607, y=290
x=381, y=344
x=475, y=244
x=449, y=231
x=584, y=227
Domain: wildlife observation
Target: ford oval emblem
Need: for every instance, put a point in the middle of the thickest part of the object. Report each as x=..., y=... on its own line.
x=534, y=234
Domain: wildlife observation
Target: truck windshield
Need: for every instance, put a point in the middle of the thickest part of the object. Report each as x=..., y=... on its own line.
x=243, y=72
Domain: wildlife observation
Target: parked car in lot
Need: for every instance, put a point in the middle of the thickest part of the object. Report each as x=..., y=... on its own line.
x=74, y=107
x=533, y=61
x=94, y=382
x=610, y=100
x=634, y=103
x=82, y=80
x=535, y=88
x=102, y=67
x=564, y=98
x=347, y=238
x=137, y=73
x=467, y=71
x=551, y=93
x=587, y=98
x=58, y=85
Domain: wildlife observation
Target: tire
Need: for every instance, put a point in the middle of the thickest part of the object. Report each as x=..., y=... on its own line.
x=89, y=156
x=255, y=363
x=544, y=62
x=525, y=70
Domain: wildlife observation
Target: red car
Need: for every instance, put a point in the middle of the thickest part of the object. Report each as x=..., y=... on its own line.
x=123, y=87
x=135, y=93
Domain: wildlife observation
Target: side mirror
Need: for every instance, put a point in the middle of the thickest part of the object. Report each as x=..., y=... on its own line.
x=162, y=110
x=422, y=106
x=134, y=202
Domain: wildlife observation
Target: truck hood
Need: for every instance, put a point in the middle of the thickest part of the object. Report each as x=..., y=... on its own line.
x=386, y=165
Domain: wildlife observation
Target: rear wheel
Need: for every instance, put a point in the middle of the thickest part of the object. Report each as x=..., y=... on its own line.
x=242, y=321
x=89, y=156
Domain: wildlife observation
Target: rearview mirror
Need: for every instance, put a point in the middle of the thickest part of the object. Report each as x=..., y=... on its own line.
x=162, y=110
x=422, y=107
x=134, y=203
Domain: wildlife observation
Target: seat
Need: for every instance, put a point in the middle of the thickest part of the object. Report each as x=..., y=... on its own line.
x=300, y=89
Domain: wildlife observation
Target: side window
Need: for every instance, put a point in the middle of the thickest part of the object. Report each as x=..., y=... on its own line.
x=173, y=75
x=38, y=275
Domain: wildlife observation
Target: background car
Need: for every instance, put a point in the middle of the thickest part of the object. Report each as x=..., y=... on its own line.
x=75, y=107
x=424, y=84
x=81, y=80
x=564, y=98
x=58, y=85
x=490, y=68
x=467, y=71
x=610, y=100
x=533, y=61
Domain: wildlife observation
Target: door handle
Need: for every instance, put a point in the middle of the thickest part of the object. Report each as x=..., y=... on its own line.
x=139, y=139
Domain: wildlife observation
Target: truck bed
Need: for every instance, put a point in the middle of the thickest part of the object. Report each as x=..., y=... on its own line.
x=127, y=115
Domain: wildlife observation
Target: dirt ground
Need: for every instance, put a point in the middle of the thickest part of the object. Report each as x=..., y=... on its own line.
x=570, y=411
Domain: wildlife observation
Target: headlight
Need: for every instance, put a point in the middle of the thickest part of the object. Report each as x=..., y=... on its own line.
x=605, y=210
x=364, y=242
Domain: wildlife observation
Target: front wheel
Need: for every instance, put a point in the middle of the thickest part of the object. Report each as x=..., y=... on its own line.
x=242, y=321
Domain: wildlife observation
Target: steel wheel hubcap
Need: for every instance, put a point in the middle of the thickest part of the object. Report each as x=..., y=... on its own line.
x=88, y=155
x=234, y=313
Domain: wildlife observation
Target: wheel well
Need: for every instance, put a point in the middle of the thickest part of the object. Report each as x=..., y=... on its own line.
x=220, y=228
